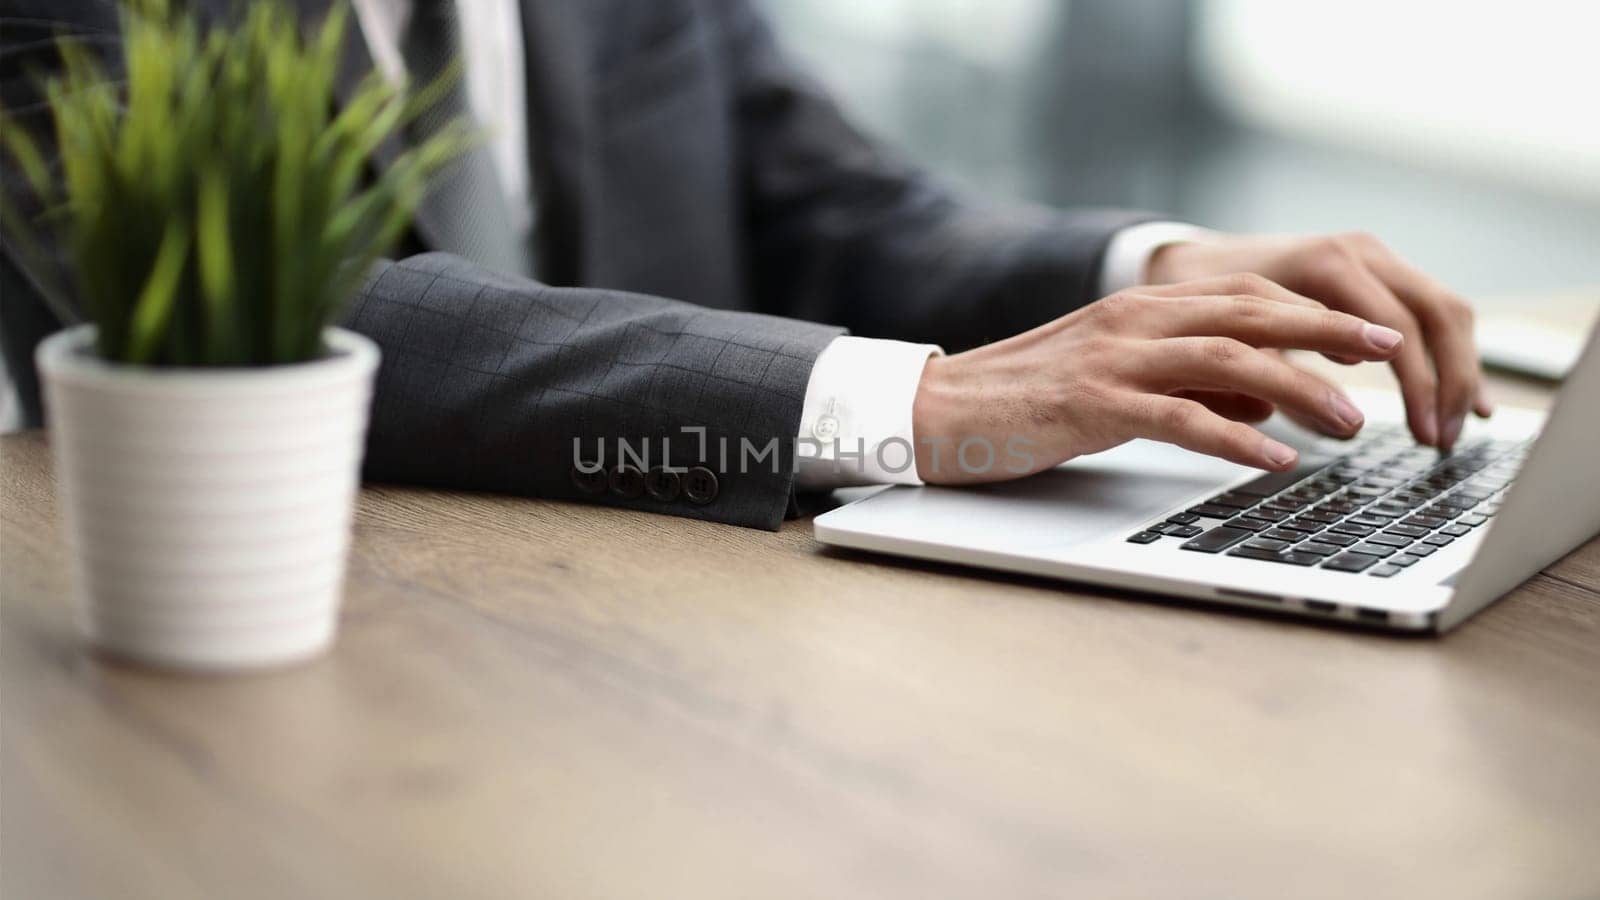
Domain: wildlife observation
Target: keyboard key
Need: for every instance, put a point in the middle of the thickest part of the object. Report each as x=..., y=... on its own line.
x=1273, y=482
x=1254, y=553
x=1291, y=557
x=1350, y=562
x=1183, y=518
x=1251, y=522
x=1303, y=525
x=1337, y=539
x=1413, y=497
x=1144, y=537
x=1472, y=521
x=1372, y=549
x=1236, y=501
x=1429, y=522
x=1177, y=530
x=1316, y=548
x=1438, y=540
x=1455, y=530
x=1407, y=530
x=1354, y=528
x=1217, y=539
x=1387, y=539
x=1342, y=507
x=1369, y=521
x=1206, y=510
x=1386, y=570
x=1269, y=514
x=1326, y=517
x=1262, y=543
x=1284, y=534
x=1421, y=550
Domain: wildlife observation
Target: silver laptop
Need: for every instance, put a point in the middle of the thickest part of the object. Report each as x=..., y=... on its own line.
x=1375, y=530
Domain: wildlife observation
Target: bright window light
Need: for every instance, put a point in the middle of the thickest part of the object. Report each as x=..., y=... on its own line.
x=1506, y=90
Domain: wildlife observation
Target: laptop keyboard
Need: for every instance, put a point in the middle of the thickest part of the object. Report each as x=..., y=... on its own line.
x=1383, y=506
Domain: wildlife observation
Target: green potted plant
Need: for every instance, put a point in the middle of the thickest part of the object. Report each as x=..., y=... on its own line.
x=207, y=419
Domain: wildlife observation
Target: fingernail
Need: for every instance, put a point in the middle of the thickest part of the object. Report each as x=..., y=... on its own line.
x=1346, y=412
x=1279, y=455
x=1450, y=430
x=1381, y=337
x=1428, y=426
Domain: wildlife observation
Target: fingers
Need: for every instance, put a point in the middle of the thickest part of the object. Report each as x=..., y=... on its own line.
x=1261, y=322
x=1242, y=283
x=1226, y=364
x=1446, y=322
x=1348, y=285
x=1232, y=405
x=1484, y=405
x=1190, y=425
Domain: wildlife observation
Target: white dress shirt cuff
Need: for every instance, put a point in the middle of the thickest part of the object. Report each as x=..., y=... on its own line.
x=1128, y=255
x=855, y=427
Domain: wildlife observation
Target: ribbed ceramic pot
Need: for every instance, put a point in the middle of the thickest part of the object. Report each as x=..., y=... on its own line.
x=208, y=510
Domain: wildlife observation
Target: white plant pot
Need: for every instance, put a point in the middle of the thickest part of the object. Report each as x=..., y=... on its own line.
x=208, y=509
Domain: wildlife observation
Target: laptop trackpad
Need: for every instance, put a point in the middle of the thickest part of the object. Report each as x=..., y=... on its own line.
x=1080, y=500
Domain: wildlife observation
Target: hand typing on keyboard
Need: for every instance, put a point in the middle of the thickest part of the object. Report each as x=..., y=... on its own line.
x=1437, y=366
x=1190, y=364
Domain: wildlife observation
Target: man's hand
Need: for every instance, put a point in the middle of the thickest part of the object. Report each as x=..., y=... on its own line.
x=1186, y=363
x=1437, y=366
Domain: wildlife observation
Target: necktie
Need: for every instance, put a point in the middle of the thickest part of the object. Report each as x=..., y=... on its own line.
x=466, y=206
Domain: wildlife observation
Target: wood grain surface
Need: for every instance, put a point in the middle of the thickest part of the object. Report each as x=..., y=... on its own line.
x=534, y=699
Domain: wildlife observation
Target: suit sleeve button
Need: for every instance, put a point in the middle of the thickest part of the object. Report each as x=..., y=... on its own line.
x=700, y=485
x=663, y=484
x=589, y=481
x=627, y=482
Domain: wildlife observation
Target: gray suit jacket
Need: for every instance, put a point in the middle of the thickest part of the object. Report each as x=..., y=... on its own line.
x=702, y=204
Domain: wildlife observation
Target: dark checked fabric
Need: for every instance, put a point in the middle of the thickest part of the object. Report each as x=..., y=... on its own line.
x=701, y=202
x=503, y=382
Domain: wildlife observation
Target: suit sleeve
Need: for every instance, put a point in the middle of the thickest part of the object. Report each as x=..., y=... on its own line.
x=844, y=230
x=499, y=383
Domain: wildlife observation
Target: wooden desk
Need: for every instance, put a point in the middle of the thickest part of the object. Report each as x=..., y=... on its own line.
x=545, y=700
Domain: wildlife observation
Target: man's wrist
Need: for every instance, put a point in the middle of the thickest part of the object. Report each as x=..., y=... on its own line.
x=933, y=415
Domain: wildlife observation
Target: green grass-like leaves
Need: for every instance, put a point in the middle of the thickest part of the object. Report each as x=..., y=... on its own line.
x=215, y=210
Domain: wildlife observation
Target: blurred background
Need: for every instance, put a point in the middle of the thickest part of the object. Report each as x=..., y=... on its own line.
x=1465, y=135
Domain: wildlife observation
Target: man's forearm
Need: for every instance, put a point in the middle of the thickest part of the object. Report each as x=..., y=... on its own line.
x=499, y=383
